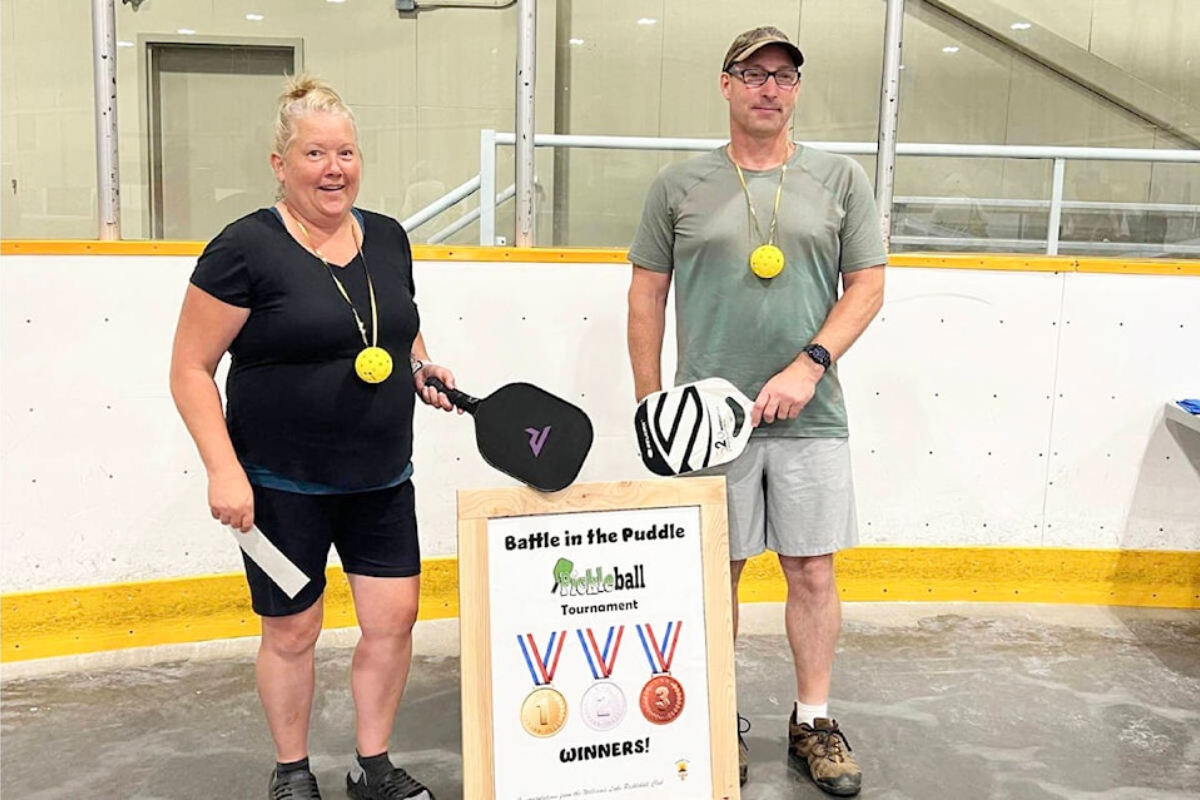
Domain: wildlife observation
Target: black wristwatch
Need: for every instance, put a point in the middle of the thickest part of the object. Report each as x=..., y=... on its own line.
x=818, y=354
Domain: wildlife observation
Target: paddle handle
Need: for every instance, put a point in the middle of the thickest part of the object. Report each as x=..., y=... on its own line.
x=459, y=399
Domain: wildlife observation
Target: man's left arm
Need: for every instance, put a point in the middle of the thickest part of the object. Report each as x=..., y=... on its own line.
x=786, y=394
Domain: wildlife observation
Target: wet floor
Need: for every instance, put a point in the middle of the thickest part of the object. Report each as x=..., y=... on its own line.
x=937, y=701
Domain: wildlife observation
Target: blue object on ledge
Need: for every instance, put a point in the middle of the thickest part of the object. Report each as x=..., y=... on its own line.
x=1190, y=406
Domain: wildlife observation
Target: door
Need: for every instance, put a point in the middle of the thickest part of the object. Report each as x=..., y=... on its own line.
x=211, y=109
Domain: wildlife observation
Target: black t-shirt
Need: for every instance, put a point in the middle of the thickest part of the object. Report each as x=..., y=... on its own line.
x=296, y=406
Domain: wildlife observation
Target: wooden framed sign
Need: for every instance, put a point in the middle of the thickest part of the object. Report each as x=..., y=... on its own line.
x=597, y=649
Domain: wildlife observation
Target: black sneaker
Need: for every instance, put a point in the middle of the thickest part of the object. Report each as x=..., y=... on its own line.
x=297, y=785
x=743, y=750
x=396, y=785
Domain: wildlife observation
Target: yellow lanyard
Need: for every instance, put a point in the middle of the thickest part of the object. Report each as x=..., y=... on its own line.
x=362, y=329
x=757, y=229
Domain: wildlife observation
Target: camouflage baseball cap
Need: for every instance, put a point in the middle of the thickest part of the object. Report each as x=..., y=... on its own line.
x=752, y=41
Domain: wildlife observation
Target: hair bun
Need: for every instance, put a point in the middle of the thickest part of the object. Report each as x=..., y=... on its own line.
x=299, y=86
x=303, y=95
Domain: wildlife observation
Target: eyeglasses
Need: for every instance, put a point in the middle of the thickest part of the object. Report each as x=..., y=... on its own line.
x=785, y=78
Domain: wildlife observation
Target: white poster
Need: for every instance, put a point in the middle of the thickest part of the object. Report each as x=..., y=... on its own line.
x=599, y=676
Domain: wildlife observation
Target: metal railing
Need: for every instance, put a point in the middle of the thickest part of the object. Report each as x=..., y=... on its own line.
x=490, y=140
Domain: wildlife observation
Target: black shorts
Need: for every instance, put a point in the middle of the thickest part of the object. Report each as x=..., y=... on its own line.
x=375, y=534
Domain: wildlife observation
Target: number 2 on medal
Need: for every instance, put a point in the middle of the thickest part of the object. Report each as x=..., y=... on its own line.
x=662, y=697
x=602, y=707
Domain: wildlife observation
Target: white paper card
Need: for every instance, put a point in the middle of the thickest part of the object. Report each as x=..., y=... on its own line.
x=279, y=568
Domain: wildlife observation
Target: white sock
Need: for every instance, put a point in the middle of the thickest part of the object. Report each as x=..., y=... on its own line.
x=805, y=714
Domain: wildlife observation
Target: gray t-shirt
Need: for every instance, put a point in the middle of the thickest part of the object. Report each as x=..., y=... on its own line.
x=731, y=323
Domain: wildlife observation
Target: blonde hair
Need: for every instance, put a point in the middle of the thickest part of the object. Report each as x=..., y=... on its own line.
x=305, y=95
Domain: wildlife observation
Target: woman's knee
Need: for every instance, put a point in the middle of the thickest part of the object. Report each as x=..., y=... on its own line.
x=397, y=624
x=386, y=607
x=295, y=634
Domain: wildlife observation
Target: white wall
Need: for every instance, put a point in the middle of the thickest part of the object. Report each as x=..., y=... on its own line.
x=986, y=408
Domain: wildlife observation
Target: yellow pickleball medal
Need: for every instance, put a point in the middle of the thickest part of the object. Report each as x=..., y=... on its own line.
x=373, y=364
x=766, y=261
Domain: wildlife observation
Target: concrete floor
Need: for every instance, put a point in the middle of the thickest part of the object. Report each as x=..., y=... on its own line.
x=938, y=701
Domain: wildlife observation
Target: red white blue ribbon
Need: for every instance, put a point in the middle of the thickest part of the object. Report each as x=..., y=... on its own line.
x=545, y=666
x=602, y=664
x=660, y=660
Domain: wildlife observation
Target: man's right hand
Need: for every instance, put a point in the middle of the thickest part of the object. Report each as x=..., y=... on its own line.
x=786, y=394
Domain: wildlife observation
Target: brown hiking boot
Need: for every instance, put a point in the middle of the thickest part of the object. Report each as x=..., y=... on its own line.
x=743, y=750
x=824, y=749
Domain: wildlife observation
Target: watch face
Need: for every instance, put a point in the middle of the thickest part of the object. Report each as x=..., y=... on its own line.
x=818, y=354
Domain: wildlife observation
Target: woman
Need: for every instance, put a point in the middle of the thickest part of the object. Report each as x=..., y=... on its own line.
x=312, y=298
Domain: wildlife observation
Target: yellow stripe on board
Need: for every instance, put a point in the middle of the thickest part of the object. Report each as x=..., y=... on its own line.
x=519, y=255
x=983, y=261
x=92, y=619
x=1113, y=266
x=40, y=247
x=421, y=252
x=547, y=255
x=95, y=618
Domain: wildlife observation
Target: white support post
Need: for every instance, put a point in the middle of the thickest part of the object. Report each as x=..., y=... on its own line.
x=487, y=187
x=526, y=234
x=104, y=74
x=1056, y=201
x=889, y=116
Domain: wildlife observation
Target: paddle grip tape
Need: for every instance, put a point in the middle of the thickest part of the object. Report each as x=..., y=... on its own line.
x=459, y=399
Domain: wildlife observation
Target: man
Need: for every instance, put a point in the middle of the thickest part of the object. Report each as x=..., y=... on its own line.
x=757, y=235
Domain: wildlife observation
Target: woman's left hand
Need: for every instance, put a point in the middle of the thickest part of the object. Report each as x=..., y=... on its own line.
x=429, y=395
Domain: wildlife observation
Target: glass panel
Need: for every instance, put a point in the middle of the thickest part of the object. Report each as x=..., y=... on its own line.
x=1091, y=73
x=652, y=68
x=1131, y=210
x=971, y=205
x=421, y=86
x=48, y=158
x=206, y=172
x=964, y=82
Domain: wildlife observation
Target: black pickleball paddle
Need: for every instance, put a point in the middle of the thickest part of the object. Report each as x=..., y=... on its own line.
x=527, y=433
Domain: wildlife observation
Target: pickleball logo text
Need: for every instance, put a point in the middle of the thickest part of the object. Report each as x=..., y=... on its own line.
x=595, y=580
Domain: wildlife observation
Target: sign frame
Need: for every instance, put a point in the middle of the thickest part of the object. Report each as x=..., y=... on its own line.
x=477, y=506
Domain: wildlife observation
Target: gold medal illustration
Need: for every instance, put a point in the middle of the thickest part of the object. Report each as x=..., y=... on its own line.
x=373, y=364
x=662, y=697
x=544, y=711
x=766, y=261
x=603, y=705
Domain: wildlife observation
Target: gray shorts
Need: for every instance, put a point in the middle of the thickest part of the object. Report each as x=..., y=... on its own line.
x=794, y=496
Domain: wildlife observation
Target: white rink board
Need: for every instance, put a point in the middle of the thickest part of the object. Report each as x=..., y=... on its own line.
x=101, y=484
x=1121, y=475
x=950, y=410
